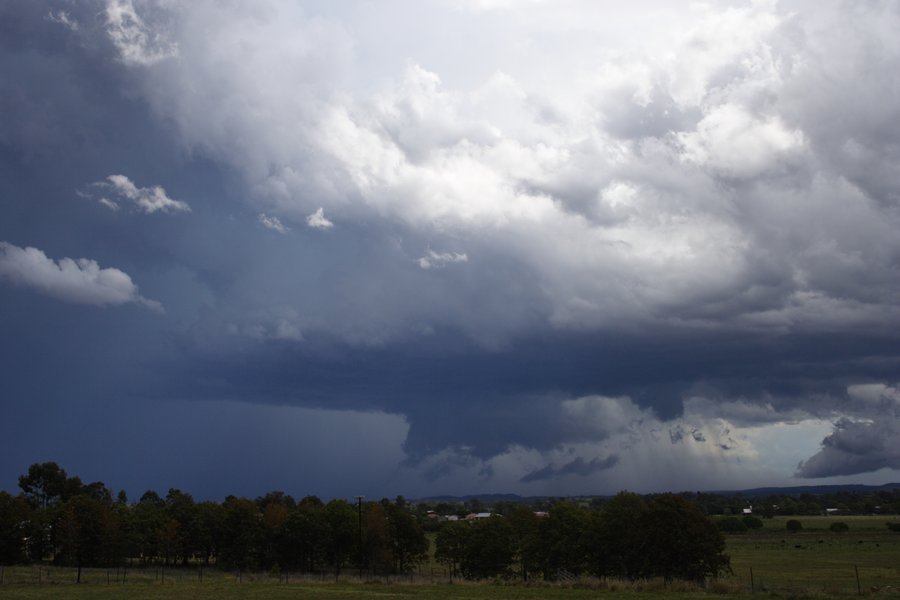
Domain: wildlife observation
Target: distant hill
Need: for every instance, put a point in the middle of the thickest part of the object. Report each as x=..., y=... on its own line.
x=809, y=489
x=815, y=490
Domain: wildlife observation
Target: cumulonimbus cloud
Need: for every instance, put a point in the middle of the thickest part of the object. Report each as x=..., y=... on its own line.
x=80, y=281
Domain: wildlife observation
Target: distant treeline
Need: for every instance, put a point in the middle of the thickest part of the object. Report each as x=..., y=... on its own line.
x=57, y=518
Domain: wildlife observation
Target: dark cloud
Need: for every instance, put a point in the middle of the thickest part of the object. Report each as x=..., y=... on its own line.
x=856, y=447
x=576, y=467
x=580, y=251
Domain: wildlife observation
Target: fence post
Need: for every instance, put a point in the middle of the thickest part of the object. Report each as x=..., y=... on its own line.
x=752, y=585
x=858, y=586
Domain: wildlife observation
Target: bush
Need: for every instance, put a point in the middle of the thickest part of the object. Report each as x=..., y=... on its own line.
x=751, y=522
x=732, y=525
x=794, y=525
x=839, y=527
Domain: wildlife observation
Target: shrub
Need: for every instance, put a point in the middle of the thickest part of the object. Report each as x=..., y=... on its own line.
x=839, y=527
x=732, y=525
x=751, y=522
x=794, y=525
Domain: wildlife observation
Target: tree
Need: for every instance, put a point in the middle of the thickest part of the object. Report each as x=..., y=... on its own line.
x=751, y=522
x=304, y=536
x=408, y=544
x=732, y=525
x=376, y=549
x=342, y=525
x=14, y=514
x=44, y=484
x=145, y=527
x=180, y=529
x=489, y=549
x=682, y=543
x=839, y=527
x=451, y=544
x=83, y=531
x=242, y=534
x=562, y=544
x=524, y=525
x=208, y=524
x=614, y=539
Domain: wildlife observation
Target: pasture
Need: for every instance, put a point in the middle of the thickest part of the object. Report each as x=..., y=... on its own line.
x=817, y=559
x=814, y=562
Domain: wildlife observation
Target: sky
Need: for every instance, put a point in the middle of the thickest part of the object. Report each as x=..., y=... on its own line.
x=450, y=246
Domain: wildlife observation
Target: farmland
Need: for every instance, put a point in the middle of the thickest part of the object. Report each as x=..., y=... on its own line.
x=813, y=561
x=816, y=558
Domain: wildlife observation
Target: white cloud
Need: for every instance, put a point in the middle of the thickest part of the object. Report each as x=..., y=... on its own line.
x=737, y=144
x=672, y=182
x=272, y=222
x=63, y=18
x=137, y=43
x=147, y=200
x=436, y=260
x=614, y=444
x=80, y=281
x=317, y=220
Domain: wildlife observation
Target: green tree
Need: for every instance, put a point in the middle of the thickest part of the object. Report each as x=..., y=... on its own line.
x=408, y=545
x=242, y=534
x=451, y=543
x=682, y=543
x=615, y=540
x=839, y=527
x=732, y=525
x=525, y=525
x=489, y=549
x=562, y=543
x=14, y=515
x=145, y=527
x=44, y=484
x=342, y=525
x=376, y=545
x=304, y=536
x=83, y=531
x=209, y=518
x=180, y=528
x=751, y=522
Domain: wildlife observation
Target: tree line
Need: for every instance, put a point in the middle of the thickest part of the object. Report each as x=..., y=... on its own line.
x=627, y=537
x=58, y=518
x=62, y=520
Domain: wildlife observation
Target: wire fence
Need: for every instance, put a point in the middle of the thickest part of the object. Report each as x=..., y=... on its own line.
x=843, y=580
x=144, y=575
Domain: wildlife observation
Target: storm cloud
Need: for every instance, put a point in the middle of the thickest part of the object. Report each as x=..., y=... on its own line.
x=581, y=248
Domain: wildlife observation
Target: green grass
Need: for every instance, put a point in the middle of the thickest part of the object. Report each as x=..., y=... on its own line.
x=814, y=562
x=340, y=591
x=817, y=559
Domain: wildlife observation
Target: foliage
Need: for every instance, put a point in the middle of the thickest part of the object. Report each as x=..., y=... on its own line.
x=681, y=542
x=839, y=527
x=732, y=525
x=751, y=522
x=14, y=513
x=488, y=550
x=793, y=525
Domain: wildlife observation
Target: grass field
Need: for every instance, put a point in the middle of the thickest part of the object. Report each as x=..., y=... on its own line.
x=814, y=562
x=817, y=559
